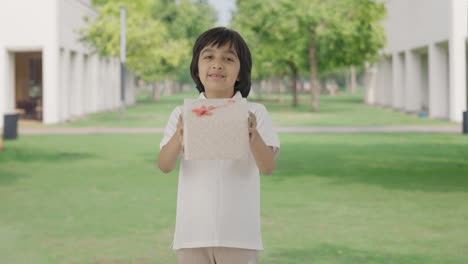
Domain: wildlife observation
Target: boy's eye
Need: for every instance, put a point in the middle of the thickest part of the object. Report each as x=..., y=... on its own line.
x=229, y=59
x=208, y=57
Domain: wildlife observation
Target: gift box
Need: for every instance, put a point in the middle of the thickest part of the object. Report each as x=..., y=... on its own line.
x=215, y=129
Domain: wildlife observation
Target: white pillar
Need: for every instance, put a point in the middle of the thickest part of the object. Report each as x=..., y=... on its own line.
x=7, y=83
x=101, y=88
x=50, y=65
x=370, y=83
x=86, y=89
x=379, y=89
x=388, y=82
x=398, y=81
x=64, y=105
x=3, y=82
x=78, y=85
x=413, y=86
x=105, y=87
x=51, y=83
x=94, y=82
x=457, y=61
x=116, y=82
x=72, y=85
x=438, y=82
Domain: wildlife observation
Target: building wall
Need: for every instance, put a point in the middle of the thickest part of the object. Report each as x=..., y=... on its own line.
x=70, y=19
x=19, y=35
x=415, y=23
x=27, y=24
x=427, y=40
x=76, y=81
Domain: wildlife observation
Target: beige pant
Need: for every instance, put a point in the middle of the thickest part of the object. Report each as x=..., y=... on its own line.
x=216, y=255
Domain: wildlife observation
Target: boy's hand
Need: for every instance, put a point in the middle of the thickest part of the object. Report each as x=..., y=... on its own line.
x=180, y=130
x=252, y=125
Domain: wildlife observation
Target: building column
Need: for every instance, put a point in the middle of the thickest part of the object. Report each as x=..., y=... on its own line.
x=370, y=83
x=86, y=85
x=413, y=85
x=101, y=88
x=3, y=82
x=7, y=82
x=379, y=89
x=116, y=82
x=457, y=59
x=398, y=81
x=438, y=82
x=104, y=87
x=388, y=82
x=94, y=82
x=72, y=89
x=64, y=85
x=51, y=84
x=78, y=85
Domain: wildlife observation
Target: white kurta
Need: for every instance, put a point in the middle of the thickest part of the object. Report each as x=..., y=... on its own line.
x=218, y=201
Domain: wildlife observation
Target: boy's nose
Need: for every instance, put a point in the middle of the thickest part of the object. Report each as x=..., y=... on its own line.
x=217, y=66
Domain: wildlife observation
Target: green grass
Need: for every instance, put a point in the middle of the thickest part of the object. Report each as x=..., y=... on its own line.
x=344, y=110
x=334, y=198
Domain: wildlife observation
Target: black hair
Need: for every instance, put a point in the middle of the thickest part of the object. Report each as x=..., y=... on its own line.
x=219, y=36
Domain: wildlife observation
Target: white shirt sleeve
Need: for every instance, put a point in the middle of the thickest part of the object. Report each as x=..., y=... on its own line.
x=265, y=128
x=171, y=126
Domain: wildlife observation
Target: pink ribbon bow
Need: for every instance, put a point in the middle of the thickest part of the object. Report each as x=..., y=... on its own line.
x=207, y=111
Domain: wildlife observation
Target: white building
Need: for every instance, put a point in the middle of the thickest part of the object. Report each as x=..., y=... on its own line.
x=45, y=72
x=423, y=67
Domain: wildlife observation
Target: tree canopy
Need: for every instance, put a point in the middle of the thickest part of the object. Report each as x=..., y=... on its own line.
x=314, y=36
x=160, y=34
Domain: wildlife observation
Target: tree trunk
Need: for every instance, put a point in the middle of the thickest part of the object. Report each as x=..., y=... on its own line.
x=257, y=89
x=156, y=91
x=275, y=86
x=168, y=87
x=263, y=87
x=314, y=88
x=293, y=83
x=269, y=86
x=353, y=80
x=281, y=90
x=348, y=81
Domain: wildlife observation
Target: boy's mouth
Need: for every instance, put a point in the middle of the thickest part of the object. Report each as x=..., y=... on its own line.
x=216, y=75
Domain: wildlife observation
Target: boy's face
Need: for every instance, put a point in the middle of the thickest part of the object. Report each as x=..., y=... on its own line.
x=218, y=70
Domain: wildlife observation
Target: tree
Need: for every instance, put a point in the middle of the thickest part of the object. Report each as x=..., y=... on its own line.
x=159, y=34
x=185, y=21
x=340, y=33
x=329, y=34
x=272, y=32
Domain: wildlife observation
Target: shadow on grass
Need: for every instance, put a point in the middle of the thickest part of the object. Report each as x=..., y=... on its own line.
x=39, y=155
x=333, y=254
x=15, y=156
x=406, y=166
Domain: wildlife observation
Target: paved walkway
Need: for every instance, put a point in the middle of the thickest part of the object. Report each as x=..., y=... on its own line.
x=143, y=130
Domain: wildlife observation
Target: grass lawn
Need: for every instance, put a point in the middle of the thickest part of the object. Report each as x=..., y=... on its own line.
x=334, y=198
x=344, y=110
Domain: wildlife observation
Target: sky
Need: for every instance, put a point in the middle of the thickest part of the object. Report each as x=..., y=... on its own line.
x=224, y=9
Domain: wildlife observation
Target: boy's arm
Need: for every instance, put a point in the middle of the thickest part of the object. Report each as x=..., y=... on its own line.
x=170, y=152
x=263, y=154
